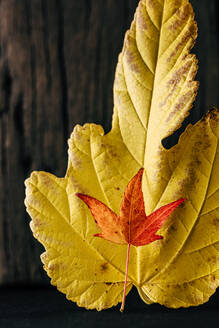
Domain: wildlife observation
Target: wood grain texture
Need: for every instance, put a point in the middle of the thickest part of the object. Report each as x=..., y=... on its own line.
x=57, y=63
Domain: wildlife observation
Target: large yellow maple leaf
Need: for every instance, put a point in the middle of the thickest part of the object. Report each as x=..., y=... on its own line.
x=153, y=92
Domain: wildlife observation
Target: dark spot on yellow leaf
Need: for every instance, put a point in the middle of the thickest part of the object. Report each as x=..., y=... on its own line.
x=104, y=267
x=173, y=228
x=141, y=19
x=38, y=223
x=198, y=144
x=216, y=222
x=76, y=162
x=180, y=17
x=213, y=114
x=189, y=182
x=190, y=32
x=54, y=267
x=176, y=77
x=111, y=151
x=130, y=57
x=151, y=3
x=164, y=102
x=180, y=104
x=108, y=283
x=172, y=84
x=212, y=259
x=196, y=161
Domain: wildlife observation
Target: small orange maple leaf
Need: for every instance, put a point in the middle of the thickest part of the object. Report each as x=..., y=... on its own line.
x=132, y=226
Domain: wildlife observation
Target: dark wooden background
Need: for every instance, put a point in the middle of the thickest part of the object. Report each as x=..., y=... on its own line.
x=57, y=63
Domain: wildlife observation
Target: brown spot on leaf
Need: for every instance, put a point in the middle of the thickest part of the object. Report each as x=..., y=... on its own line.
x=189, y=182
x=104, y=267
x=212, y=259
x=213, y=114
x=111, y=151
x=45, y=180
x=181, y=17
x=38, y=223
x=141, y=19
x=190, y=33
x=108, y=283
x=207, y=142
x=173, y=228
x=180, y=104
x=151, y=3
x=176, y=77
x=216, y=222
x=197, y=162
x=55, y=267
x=164, y=102
x=198, y=144
x=192, y=176
x=130, y=57
x=76, y=162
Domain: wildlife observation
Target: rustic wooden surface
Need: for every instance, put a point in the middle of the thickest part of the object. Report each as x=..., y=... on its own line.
x=57, y=62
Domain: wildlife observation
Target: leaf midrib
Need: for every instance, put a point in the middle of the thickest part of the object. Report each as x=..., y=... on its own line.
x=145, y=143
x=154, y=86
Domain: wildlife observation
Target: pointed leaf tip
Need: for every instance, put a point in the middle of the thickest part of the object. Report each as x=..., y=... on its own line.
x=146, y=232
x=141, y=171
x=106, y=220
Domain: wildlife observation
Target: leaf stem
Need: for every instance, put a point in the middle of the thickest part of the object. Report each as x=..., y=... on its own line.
x=126, y=276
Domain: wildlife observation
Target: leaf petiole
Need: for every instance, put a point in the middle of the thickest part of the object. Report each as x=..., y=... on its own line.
x=126, y=276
